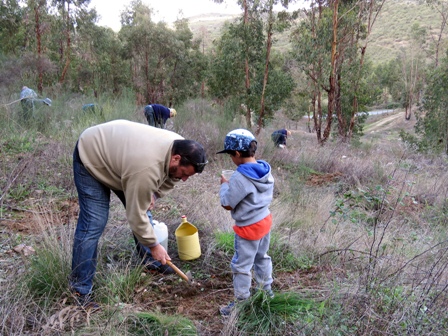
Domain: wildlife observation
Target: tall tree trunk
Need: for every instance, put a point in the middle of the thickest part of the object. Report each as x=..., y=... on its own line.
x=318, y=117
x=332, y=79
x=148, y=80
x=37, y=27
x=266, y=68
x=373, y=11
x=338, y=108
x=68, y=41
x=440, y=7
x=246, y=66
x=312, y=109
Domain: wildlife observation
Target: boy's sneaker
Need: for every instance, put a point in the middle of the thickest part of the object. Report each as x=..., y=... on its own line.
x=227, y=310
x=268, y=292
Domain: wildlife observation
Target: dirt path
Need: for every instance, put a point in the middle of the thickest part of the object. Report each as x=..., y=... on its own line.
x=395, y=120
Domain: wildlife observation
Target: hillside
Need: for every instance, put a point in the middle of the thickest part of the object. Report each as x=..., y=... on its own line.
x=29, y=212
x=389, y=35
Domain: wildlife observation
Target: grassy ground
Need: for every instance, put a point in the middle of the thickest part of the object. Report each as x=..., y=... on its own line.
x=359, y=240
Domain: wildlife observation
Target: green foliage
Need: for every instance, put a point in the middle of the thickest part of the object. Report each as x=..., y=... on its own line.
x=146, y=323
x=48, y=273
x=241, y=42
x=343, y=79
x=171, y=65
x=361, y=206
x=261, y=315
x=118, y=285
x=17, y=143
x=284, y=257
x=432, y=118
x=19, y=192
x=224, y=241
x=11, y=29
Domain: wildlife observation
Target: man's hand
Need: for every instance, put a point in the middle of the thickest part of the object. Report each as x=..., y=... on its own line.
x=153, y=201
x=159, y=253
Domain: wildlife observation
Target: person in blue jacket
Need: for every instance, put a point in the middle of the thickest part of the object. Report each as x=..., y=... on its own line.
x=279, y=137
x=157, y=115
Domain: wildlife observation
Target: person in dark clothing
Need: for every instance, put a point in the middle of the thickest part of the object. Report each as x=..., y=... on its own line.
x=157, y=115
x=93, y=108
x=279, y=137
x=30, y=101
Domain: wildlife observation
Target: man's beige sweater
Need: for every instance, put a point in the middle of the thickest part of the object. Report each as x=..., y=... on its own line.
x=134, y=158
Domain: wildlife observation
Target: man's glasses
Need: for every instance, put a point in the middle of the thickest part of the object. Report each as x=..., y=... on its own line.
x=198, y=167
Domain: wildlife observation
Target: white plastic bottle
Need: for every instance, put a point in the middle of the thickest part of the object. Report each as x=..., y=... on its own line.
x=161, y=231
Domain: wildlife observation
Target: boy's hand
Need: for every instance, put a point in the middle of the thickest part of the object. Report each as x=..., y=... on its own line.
x=223, y=179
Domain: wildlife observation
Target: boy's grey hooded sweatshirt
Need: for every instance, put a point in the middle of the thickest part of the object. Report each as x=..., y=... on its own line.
x=249, y=193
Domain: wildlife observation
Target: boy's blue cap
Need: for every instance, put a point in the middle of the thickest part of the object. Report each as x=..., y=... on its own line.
x=238, y=140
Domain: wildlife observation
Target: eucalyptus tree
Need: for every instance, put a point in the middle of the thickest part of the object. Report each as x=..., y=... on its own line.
x=311, y=45
x=329, y=46
x=162, y=60
x=274, y=22
x=438, y=41
x=432, y=117
x=98, y=65
x=245, y=48
x=413, y=65
x=38, y=29
x=65, y=21
x=189, y=65
x=11, y=27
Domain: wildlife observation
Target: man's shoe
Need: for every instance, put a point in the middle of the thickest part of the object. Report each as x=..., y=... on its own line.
x=154, y=265
x=85, y=301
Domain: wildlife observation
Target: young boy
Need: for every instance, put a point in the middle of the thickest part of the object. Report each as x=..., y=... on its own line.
x=248, y=194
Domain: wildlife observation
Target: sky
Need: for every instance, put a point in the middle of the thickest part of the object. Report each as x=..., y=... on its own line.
x=166, y=10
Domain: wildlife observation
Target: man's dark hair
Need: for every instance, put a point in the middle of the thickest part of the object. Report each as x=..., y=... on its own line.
x=191, y=153
x=248, y=153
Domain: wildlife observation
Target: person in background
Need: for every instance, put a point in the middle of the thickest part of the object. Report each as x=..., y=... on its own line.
x=248, y=194
x=157, y=115
x=93, y=108
x=139, y=164
x=28, y=100
x=279, y=137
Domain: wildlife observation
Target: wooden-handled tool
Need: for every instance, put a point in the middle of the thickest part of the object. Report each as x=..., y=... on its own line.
x=187, y=277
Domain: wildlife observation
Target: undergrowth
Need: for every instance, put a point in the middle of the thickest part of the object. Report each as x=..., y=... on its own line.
x=359, y=239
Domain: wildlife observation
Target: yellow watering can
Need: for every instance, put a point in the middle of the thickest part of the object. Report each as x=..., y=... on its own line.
x=187, y=238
